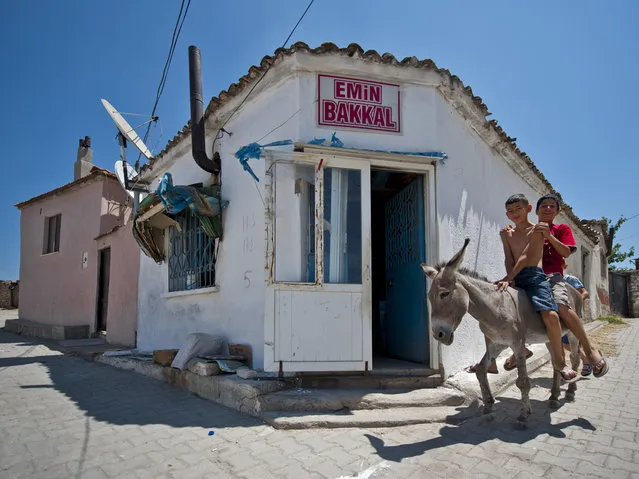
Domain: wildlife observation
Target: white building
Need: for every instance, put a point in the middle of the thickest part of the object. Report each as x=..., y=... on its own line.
x=318, y=268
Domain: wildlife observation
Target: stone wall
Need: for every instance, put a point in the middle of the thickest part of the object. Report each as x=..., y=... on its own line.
x=9, y=291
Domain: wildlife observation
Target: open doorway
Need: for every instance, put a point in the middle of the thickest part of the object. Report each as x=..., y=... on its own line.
x=104, y=268
x=400, y=324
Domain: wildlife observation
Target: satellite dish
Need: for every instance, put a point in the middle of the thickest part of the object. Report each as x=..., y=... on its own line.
x=125, y=177
x=127, y=130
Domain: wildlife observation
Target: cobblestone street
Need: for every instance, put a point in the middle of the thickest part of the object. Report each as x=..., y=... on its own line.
x=67, y=417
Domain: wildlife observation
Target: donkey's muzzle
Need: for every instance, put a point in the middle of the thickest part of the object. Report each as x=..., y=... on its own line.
x=443, y=336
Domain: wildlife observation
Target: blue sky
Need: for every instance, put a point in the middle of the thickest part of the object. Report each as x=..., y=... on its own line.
x=559, y=76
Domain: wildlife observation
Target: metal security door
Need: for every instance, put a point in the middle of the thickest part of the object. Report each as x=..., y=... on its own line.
x=407, y=332
x=619, y=293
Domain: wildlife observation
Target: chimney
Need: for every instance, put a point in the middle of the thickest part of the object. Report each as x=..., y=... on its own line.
x=84, y=162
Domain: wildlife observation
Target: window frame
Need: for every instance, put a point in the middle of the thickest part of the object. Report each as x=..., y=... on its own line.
x=196, y=268
x=51, y=240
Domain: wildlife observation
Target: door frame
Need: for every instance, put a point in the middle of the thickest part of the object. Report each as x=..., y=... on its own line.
x=313, y=154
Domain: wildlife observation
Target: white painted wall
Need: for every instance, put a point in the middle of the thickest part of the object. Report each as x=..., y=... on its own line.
x=472, y=186
x=237, y=309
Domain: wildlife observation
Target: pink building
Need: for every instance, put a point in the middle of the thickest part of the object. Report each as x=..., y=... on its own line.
x=79, y=263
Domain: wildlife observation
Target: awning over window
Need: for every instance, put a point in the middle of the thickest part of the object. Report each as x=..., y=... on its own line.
x=155, y=213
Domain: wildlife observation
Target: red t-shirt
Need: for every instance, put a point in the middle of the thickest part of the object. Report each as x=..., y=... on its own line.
x=552, y=261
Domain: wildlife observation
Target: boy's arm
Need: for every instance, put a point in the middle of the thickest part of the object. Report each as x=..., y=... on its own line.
x=509, y=259
x=564, y=244
x=536, y=242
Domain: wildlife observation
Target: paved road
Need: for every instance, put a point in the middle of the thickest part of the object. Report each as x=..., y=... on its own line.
x=66, y=417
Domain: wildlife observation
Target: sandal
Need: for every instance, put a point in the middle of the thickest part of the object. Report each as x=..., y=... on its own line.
x=600, y=368
x=567, y=374
x=511, y=362
x=586, y=369
x=473, y=368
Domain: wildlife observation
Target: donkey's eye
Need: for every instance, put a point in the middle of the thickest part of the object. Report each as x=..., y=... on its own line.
x=443, y=294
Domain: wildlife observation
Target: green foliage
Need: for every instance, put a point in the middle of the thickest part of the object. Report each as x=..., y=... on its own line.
x=615, y=253
x=611, y=319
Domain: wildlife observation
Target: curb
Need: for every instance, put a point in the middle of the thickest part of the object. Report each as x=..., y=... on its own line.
x=243, y=395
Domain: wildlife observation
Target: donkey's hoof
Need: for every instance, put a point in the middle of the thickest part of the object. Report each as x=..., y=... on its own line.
x=553, y=404
x=570, y=397
x=488, y=408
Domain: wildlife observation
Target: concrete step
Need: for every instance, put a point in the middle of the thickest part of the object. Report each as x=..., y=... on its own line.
x=367, y=417
x=46, y=331
x=429, y=379
x=324, y=400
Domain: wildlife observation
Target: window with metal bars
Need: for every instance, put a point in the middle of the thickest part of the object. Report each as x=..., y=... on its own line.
x=191, y=255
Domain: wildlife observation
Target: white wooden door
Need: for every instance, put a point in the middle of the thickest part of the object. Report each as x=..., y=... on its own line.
x=318, y=304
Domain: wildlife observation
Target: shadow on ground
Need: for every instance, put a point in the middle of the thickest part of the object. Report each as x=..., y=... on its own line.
x=119, y=397
x=500, y=424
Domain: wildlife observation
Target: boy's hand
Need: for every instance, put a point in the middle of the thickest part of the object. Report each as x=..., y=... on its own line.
x=502, y=285
x=542, y=228
x=506, y=231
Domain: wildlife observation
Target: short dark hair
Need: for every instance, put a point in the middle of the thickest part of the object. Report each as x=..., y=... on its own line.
x=519, y=197
x=550, y=196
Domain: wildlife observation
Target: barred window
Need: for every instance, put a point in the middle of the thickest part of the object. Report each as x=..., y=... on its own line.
x=191, y=254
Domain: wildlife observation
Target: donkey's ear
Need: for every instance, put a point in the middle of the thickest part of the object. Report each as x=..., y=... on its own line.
x=429, y=271
x=456, y=260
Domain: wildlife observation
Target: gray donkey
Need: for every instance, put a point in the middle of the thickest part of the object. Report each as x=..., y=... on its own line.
x=507, y=318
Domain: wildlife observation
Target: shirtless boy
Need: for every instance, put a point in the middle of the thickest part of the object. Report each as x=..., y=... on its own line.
x=524, y=248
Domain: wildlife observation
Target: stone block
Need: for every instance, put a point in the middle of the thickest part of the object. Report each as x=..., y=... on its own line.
x=164, y=357
x=204, y=368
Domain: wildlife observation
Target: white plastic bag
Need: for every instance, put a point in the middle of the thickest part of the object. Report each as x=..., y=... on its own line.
x=200, y=344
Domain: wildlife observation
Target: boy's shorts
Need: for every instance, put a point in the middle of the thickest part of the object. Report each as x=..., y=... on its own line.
x=534, y=282
x=573, y=281
x=560, y=290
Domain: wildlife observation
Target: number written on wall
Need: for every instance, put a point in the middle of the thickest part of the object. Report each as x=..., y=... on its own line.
x=248, y=226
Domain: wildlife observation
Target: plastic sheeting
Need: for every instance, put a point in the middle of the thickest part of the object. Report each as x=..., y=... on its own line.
x=200, y=344
x=204, y=202
x=253, y=151
x=337, y=143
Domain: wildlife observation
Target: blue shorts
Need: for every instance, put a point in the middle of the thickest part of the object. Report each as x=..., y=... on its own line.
x=573, y=281
x=564, y=339
x=534, y=282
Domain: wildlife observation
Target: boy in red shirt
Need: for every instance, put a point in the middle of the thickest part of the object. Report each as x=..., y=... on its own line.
x=559, y=243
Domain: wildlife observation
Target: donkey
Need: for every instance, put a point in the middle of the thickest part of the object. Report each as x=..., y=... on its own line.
x=506, y=318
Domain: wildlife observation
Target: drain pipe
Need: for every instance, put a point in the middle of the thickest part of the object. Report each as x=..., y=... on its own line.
x=197, y=119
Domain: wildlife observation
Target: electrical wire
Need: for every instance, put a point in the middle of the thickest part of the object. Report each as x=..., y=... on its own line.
x=263, y=74
x=167, y=65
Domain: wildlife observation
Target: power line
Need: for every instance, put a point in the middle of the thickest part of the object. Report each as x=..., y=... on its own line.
x=263, y=74
x=167, y=65
x=628, y=237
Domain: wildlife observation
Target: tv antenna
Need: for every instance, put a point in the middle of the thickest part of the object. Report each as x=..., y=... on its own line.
x=128, y=176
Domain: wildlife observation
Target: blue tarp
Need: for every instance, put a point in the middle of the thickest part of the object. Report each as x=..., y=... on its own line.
x=176, y=198
x=337, y=143
x=254, y=150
